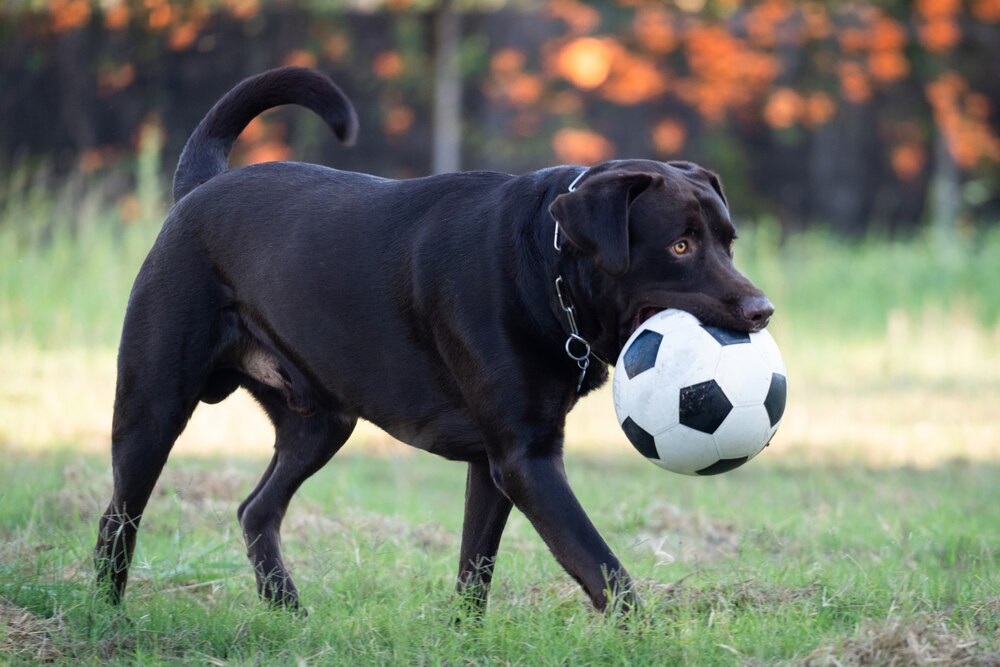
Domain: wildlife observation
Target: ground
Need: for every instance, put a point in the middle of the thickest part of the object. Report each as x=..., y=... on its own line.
x=868, y=533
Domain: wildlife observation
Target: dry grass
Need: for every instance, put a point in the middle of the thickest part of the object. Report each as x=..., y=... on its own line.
x=25, y=636
x=675, y=534
x=746, y=594
x=309, y=522
x=921, y=640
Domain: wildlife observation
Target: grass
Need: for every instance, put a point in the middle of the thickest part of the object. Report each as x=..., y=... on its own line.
x=868, y=533
x=780, y=561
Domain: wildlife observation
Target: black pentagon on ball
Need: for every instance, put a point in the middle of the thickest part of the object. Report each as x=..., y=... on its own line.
x=704, y=406
x=774, y=403
x=727, y=336
x=641, y=354
x=722, y=465
x=640, y=439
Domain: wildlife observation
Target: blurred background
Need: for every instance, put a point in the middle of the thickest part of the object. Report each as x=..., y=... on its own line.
x=857, y=115
x=858, y=143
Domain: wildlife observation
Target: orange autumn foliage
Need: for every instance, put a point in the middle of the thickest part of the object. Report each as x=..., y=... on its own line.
x=580, y=18
x=722, y=58
x=726, y=73
x=262, y=140
x=336, y=46
x=579, y=146
x=160, y=15
x=819, y=108
x=854, y=83
x=254, y=131
x=633, y=79
x=564, y=102
x=986, y=10
x=242, y=9
x=853, y=40
x=116, y=17
x=764, y=19
x=111, y=78
x=908, y=160
x=654, y=29
x=586, y=61
x=388, y=65
x=784, y=108
x=937, y=8
x=68, y=14
x=669, y=135
x=888, y=66
x=182, y=36
x=524, y=89
x=299, y=58
x=509, y=81
x=939, y=34
x=273, y=150
x=398, y=120
x=507, y=61
x=887, y=34
x=963, y=121
x=817, y=20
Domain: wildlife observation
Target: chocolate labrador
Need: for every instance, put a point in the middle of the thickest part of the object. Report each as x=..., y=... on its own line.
x=464, y=314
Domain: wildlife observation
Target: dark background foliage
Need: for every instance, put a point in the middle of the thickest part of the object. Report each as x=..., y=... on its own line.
x=877, y=116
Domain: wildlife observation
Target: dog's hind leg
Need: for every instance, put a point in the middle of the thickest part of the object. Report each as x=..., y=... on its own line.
x=168, y=344
x=486, y=512
x=303, y=445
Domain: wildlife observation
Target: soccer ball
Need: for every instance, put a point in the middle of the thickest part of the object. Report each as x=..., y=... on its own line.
x=695, y=399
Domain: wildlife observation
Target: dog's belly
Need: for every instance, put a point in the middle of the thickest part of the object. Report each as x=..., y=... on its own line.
x=409, y=394
x=450, y=433
x=364, y=362
x=375, y=373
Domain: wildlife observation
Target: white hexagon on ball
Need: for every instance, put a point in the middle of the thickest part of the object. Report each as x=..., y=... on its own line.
x=744, y=374
x=769, y=351
x=685, y=451
x=745, y=424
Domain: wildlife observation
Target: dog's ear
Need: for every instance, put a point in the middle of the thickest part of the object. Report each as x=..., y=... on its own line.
x=594, y=217
x=713, y=180
x=703, y=174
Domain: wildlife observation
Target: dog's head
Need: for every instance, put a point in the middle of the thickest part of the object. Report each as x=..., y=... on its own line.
x=658, y=236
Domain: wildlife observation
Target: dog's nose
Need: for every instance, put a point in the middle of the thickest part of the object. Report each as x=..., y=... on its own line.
x=757, y=310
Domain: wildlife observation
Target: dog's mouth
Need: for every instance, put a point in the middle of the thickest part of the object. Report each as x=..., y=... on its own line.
x=707, y=314
x=643, y=314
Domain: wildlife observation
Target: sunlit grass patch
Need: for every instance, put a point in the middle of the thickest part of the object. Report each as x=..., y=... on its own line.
x=866, y=404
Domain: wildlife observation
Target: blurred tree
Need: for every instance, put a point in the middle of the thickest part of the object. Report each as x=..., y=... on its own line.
x=447, y=126
x=853, y=114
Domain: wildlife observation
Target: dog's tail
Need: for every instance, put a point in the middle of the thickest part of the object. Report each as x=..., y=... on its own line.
x=206, y=152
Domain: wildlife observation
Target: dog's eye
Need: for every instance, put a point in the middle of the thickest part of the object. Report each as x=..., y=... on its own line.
x=680, y=247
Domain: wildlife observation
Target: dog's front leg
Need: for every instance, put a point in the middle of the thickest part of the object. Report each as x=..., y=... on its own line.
x=486, y=512
x=538, y=486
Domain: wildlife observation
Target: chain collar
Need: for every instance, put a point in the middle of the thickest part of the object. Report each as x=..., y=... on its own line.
x=577, y=348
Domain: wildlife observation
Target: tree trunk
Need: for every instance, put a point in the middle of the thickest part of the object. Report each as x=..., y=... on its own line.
x=447, y=151
x=946, y=200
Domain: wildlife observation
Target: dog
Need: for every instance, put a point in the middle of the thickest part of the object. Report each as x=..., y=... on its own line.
x=465, y=314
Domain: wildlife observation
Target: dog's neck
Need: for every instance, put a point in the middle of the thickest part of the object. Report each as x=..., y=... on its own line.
x=536, y=241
